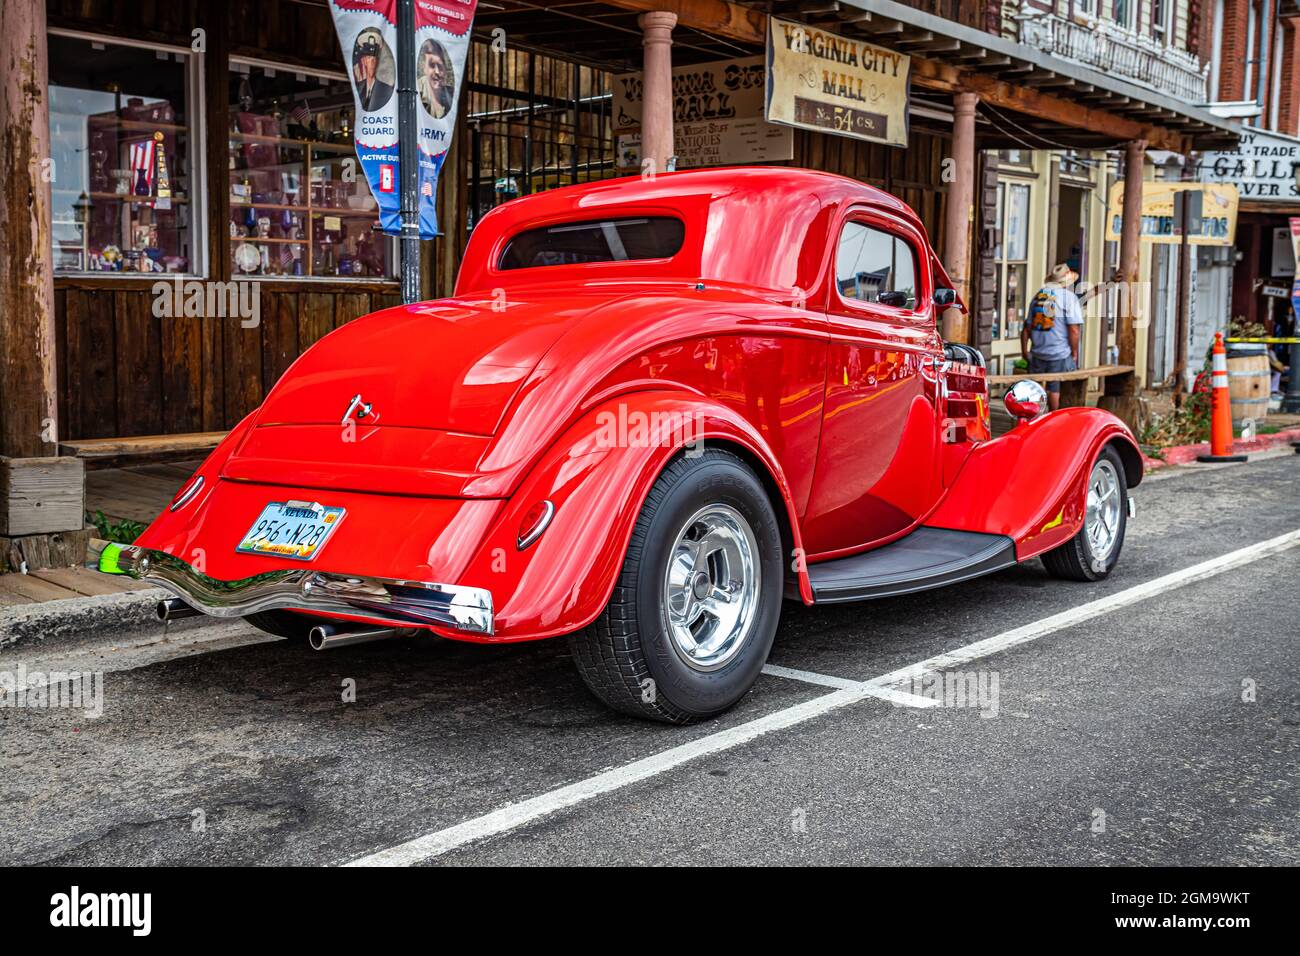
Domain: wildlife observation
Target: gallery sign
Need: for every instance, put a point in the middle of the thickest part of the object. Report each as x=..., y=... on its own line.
x=836, y=84
x=1262, y=166
x=717, y=116
x=1212, y=213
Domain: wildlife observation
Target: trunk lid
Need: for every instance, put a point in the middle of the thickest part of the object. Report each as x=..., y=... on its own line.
x=438, y=376
x=452, y=365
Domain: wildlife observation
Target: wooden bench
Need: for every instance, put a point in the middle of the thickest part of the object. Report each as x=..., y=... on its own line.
x=112, y=452
x=1074, y=385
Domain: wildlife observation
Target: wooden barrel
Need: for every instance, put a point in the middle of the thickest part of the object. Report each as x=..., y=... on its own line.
x=1248, y=380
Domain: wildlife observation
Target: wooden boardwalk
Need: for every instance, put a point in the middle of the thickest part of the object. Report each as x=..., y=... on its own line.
x=135, y=492
x=56, y=584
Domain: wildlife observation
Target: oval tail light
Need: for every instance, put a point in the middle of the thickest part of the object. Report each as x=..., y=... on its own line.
x=536, y=520
x=186, y=494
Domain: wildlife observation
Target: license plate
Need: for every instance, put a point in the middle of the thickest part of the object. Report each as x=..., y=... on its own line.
x=292, y=529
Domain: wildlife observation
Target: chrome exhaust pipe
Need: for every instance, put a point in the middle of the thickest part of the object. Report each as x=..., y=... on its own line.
x=173, y=609
x=324, y=637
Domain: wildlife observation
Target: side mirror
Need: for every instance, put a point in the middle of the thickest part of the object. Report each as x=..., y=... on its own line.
x=1026, y=400
x=945, y=297
x=898, y=300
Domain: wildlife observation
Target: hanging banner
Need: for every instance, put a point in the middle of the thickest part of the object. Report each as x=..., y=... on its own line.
x=367, y=31
x=836, y=84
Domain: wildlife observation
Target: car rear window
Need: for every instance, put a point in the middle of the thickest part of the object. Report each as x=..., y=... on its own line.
x=595, y=240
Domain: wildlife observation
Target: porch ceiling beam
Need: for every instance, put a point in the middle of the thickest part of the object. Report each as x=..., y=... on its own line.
x=806, y=9
x=748, y=25
x=991, y=63
x=720, y=17
x=931, y=74
x=940, y=46
x=915, y=39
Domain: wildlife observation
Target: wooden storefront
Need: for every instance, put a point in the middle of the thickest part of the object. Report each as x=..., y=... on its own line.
x=531, y=118
x=124, y=371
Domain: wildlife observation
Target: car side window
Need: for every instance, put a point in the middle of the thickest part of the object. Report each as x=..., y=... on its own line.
x=875, y=266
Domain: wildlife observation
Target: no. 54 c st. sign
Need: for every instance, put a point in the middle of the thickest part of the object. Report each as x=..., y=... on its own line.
x=836, y=84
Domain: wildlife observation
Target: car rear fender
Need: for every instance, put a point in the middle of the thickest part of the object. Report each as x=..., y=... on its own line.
x=1031, y=483
x=597, y=476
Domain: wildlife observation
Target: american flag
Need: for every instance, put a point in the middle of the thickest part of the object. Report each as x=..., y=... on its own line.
x=300, y=115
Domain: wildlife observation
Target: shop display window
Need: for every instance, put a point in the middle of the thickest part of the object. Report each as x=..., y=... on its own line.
x=300, y=205
x=121, y=168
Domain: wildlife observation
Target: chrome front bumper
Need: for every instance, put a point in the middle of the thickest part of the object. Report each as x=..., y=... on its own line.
x=399, y=603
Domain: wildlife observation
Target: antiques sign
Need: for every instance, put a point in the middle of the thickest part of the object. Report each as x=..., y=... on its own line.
x=717, y=116
x=1211, y=213
x=835, y=84
x=1262, y=166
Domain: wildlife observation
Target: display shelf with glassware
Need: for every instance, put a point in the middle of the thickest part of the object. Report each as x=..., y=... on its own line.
x=299, y=204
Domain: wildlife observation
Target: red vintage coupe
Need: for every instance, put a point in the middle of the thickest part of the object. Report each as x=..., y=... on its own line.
x=651, y=411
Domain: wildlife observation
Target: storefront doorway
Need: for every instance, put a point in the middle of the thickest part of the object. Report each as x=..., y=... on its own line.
x=1072, y=229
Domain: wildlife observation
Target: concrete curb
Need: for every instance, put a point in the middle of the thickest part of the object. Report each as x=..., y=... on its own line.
x=1186, y=454
x=29, y=623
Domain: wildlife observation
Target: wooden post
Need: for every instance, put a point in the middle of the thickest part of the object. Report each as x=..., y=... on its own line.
x=657, y=92
x=41, y=496
x=1120, y=396
x=28, y=419
x=959, y=213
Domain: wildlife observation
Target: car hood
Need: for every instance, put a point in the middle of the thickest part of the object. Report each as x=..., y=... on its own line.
x=452, y=364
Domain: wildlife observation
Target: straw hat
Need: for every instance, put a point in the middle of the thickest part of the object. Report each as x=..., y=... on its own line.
x=1063, y=274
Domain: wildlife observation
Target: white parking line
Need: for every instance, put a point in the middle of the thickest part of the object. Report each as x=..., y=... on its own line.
x=516, y=815
x=894, y=696
x=808, y=677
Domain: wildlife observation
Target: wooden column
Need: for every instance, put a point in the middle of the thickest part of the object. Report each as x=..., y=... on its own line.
x=1120, y=396
x=959, y=213
x=657, y=92
x=41, y=496
x=27, y=349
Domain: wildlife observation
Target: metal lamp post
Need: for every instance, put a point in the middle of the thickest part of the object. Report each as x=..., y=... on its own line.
x=1291, y=401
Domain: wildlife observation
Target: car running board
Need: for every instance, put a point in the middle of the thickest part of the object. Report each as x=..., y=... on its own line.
x=926, y=558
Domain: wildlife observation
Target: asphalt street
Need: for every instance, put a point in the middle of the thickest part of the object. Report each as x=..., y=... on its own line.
x=1164, y=729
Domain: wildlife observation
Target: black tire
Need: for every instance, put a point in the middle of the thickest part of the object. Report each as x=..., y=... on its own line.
x=1074, y=560
x=629, y=643
x=283, y=624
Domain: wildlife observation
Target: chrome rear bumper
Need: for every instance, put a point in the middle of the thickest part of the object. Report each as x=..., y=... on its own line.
x=396, y=602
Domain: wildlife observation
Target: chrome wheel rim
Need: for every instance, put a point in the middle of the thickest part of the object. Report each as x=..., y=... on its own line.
x=711, y=587
x=1101, y=523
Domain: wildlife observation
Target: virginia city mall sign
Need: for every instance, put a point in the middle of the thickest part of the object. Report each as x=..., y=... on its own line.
x=835, y=84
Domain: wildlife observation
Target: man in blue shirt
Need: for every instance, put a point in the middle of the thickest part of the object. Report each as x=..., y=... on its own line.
x=1052, y=330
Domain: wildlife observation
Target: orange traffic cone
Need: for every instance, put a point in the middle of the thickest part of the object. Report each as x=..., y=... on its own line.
x=1220, y=407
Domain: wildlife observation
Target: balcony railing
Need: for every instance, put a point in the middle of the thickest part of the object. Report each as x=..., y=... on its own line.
x=1107, y=47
